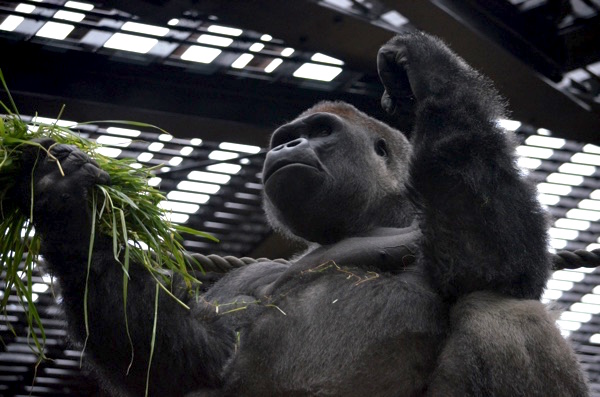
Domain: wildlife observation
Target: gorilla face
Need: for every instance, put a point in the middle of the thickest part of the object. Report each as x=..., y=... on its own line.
x=327, y=174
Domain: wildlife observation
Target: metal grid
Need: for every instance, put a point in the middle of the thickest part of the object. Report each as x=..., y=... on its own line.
x=221, y=197
x=558, y=39
x=567, y=176
x=21, y=371
x=190, y=42
x=232, y=213
x=210, y=186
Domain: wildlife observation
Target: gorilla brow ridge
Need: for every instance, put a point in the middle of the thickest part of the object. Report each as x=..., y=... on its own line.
x=351, y=113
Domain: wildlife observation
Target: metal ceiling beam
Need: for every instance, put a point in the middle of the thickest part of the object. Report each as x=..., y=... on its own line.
x=301, y=24
x=532, y=99
x=304, y=25
x=184, y=102
x=310, y=27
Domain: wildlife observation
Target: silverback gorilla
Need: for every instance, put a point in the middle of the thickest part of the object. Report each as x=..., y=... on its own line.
x=351, y=317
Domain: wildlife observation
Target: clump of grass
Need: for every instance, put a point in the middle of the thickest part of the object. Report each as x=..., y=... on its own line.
x=127, y=210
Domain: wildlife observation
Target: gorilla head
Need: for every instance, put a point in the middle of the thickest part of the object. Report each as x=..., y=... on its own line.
x=332, y=154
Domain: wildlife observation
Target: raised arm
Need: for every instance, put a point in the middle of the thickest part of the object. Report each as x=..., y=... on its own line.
x=483, y=227
x=191, y=346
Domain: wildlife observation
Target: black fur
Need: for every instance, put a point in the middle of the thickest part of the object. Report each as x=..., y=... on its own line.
x=427, y=262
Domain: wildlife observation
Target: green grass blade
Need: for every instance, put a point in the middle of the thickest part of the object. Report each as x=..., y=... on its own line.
x=87, y=277
x=153, y=340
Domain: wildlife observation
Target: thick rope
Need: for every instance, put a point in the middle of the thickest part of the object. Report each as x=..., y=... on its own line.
x=575, y=259
x=223, y=264
x=561, y=260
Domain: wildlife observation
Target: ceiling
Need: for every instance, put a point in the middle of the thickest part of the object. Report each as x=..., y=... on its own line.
x=491, y=38
x=542, y=55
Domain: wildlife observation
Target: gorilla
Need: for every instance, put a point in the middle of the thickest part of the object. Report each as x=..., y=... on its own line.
x=427, y=260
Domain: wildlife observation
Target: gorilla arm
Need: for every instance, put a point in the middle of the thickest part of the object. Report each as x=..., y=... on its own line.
x=484, y=233
x=483, y=227
x=190, y=351
x=383, y=249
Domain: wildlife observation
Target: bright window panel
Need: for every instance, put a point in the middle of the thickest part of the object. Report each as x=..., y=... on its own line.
x=145, y=29
x=123, y=131
x=579, y=169
x=208, y=177
x=256, y=47
x=318, y=57
x=69, y=16
x=545, y=141
x=198, y=187
x=79, y=5
x=572, y=224
x=225, y=168
x=225, y=30
x=11, y=22
x=55, y=30
x=108, y=151
x=237, y=147
x=215, y=40
x=586, y=158
x=113, y=140
x=175, y=217
x=317, y=72
x=195, y=198
x=176, y=206
x=273, y=65
x=242, y=61
x=526, y=162
x=536, y=152
x=221, y=155
x=200, y=54
x=551, y=188
x=128, y=42
x=565, y=179
x=587, y=215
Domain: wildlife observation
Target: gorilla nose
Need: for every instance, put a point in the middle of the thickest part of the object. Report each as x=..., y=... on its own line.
x=296, y=143
x=297, y=151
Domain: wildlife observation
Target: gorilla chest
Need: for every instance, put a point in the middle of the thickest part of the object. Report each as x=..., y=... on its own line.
x=342, y=335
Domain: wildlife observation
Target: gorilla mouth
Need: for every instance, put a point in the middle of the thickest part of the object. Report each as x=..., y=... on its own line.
x=286, y=164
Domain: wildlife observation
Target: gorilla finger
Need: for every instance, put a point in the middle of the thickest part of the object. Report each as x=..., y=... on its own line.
x=393, y=73
x=386, y=66
x=46, y=143
x=392, y=58
x=61, y=151
x=91, y=160
x=36, y=152
x=388, y=104
x=96, y=175
x=74, y=160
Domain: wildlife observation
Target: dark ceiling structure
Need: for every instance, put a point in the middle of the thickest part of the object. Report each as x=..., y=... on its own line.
x=542, y=55
x=221, y=75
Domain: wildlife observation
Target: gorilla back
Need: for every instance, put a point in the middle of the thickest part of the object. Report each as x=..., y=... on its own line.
x=427, y=262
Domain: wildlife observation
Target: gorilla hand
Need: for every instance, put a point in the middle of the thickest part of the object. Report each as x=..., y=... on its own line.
x=415, y=66
x=54, y=189
x=398, y=98
x=482, y=224
x=398, y=92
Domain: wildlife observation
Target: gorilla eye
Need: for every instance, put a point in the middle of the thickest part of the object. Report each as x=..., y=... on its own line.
x=381, y=148
x=323, y=130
